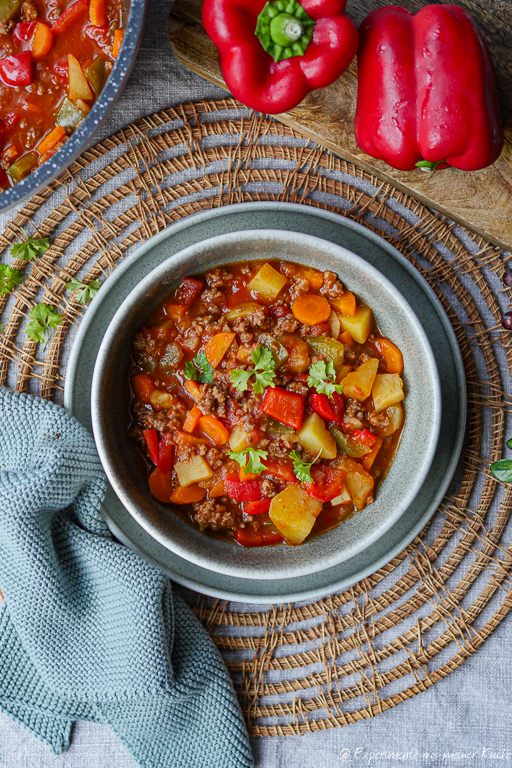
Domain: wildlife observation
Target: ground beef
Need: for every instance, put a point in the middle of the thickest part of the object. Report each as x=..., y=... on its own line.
x=268, y=488
x=218, y=278
x=213, y=514
x=331, y=287
x=314, y=330
x=349, y=355
x=298, y=387
x=213, y=400
x=379, y=419
x=281, y=445
x=298, y=287
x=287, y=324
x=363, y=357
x=212, y=296
x=257, y=319
x=214, y=457
x=353, y=408
x=6, y=26
x=166, y=421
x=28, y=11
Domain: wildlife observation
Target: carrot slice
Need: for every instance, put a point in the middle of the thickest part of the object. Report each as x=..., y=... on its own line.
x=346, y=304
x=98, y=13
x=118, y=41
x=143, y=386
x=346, y=338
x=183, y=438
x=370, y=457
x=217, y=347
x=219, y=489
x=160, y=485
x=51, y=140
x=188, y=495
x=42, y=40
x=248, y=476
x=193, y=389
x=311, y=309
x=391, y=354
x=192, y=419
x=215, y=429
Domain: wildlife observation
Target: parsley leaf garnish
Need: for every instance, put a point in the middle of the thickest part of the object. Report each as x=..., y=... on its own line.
x=250, y=459
x=31, y=248
x=43, y=317
x=84, y=293
x=9, y=278
x=190, y=371
x=302, y=469
x=264, y=373
x=206, y=375
x=323, y=378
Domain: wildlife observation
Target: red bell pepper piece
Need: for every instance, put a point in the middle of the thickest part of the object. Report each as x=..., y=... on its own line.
x=101, y=37
x=426, y=90
x=339, y=406
x=281, y=468
x=272, y=64
x=286, y=407
x=321, y=405
x=69, y=16
x=246, y=490
x=151, y=439
x=16, y=70
x=257, y=507
x=165, y=453
x=4, y=179
x=248, y=537
x=189, y=290
x=24, y=30
x=326, y=482
x=364, y=436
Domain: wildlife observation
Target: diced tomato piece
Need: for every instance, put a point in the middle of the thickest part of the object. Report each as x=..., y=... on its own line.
x=280, y=310
x=257, y=507
x=286, y=407
x=69, y=15
x=339, y=406
x=281, y=468
x=321, y=405
x=61, y=69
x=151, y=439
x=165, y=453
x=10, y=119
x=326, y=482
x=364, y=436
x=189, y=290
x=100, y=36
x=248, y=537
x=16, y=70
x=24, y=30
x=248, y=490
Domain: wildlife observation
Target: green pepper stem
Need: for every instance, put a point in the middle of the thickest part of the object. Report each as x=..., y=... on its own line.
x=284, y=29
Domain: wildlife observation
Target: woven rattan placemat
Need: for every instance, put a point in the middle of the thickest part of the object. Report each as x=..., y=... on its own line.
x=355, y=654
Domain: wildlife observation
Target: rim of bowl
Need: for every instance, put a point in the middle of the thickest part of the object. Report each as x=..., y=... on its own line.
x=79, y=140
x=260, y=571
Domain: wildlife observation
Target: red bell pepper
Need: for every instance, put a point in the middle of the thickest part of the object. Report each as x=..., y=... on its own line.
x=427, y=92
x=248, y=537
x=246, y=490
x=16, y=70
x=69, y=15
x=326, y=482
x=280, y=468
x=257, y=507
x=189, y=290
x=165, y=453
x=151, y=438
x=339, y=406
x=24, y=30
x=286, y=407
x=364, y=436
x=321, y=405
x=272, y=54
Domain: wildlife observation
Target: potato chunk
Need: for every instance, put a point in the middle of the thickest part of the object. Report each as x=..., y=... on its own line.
x=358, y=384
x=359, y=482
x=388, y=389
x=193, y=471
x=343, y=496
x=267, y=282
x=239, y=439
x=360, y=325
x=293, y=513
x=314, y=436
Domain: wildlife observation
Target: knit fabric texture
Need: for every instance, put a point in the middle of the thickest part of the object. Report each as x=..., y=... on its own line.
x=88, y=629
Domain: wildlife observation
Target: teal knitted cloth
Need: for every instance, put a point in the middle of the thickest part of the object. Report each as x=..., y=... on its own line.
x=88, y=629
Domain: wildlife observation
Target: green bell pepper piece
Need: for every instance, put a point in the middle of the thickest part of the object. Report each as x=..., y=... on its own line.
x=348, y=446
x=8, y=8
x=69, y=115
x=23, y=166
x=327, y=347
x=96, y=74
x=171, y=358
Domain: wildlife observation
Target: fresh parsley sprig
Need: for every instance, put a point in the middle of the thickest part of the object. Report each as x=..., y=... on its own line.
x=84, y=293
x=502, y=470
x=302, y=469
x=250, y=460
x=43, y=317
x=264, y=372
x=31, y=248
x=10, y=277
x=206, y=371
x=323, y=378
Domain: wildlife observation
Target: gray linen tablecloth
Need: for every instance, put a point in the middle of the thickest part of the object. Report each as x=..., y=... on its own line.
x=464, y=720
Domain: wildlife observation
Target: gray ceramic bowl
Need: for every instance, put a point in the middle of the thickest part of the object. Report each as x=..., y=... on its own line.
x=423, y=408
x=81, y=138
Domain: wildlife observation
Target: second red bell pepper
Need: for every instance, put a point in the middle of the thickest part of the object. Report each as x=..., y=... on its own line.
x=286, y=407
x=272, y=54
x=427, y=92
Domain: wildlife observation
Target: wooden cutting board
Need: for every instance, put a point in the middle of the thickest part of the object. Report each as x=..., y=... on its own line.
x=480, y=200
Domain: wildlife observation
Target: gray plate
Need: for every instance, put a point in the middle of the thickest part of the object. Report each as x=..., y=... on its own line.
x=399, y=271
